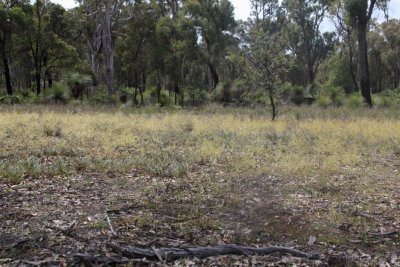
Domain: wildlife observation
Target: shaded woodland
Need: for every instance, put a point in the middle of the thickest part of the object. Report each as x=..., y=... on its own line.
x=191, y=52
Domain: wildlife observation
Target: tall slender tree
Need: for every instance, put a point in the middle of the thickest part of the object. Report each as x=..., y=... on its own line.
x=13, y=14
x=359, y=13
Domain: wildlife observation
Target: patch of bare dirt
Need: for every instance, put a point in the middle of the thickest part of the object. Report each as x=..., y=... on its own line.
x=47, y=221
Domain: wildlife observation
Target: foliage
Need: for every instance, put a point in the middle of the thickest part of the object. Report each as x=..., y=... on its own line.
x=331, y=95
x=178, y=52
x=58, y=93
x=354, y=101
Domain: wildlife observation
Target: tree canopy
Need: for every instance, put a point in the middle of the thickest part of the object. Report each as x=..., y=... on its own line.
x=193, y=51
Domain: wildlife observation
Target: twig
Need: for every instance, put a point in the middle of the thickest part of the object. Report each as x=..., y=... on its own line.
x=365, y=215
x=204, y=252
x=110, y=225
x=384, y=234
x=49, y=262
x=157, y=253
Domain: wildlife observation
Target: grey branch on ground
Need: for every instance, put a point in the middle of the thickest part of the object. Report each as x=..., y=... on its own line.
x=170, y=254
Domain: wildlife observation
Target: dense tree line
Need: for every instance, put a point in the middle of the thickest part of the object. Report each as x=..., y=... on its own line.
x=185, y=51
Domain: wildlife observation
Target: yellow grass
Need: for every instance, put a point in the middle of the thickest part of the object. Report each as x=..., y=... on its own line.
x=230, y=142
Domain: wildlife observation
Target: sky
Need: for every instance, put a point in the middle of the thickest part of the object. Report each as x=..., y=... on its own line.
x=242, y=8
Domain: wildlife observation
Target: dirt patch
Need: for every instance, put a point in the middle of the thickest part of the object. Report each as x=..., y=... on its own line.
x=43, y=218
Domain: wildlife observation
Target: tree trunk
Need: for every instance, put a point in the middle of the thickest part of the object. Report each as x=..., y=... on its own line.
x=136, y=85
x=214, y=75
x=50, y=80
x=351, y=65
x=7, y=74
x=37, y=77
x=95, y=66
x=310, y=68
x=363, y=61
x=108, y=50
x=309, y=61
x=158, y=76
x=273, y=105
x=174, y=9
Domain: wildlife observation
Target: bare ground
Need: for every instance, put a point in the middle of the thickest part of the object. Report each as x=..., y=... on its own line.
x=46, y=221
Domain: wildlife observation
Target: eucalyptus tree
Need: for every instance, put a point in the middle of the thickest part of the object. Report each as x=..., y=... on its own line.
x=265, y=51
x=134, y=48
x=177, y=45
x=13, y=15
x=47, y=47
x=391, y=33
x=101, y=19
x=348, y=38
x=359, y=14
x=216, y=23
x=305, y=39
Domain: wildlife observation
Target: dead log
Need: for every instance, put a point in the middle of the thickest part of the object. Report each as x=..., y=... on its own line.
x=170, y=254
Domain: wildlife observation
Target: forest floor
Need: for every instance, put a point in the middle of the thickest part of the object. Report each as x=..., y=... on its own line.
x=73, y=179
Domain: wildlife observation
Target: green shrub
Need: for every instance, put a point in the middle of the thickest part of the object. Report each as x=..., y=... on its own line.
x=102, y=98
x=331, y=95
x=354, y=101
x=298, y=96
x=323, y=101
x=164, y=98
x=125, y=94
x=77, y=78
x=387, y=99
x=223, y=92
x=10, y=99
x=52, y=131
x=58, y=93
x=336, y=95
x=238, y=90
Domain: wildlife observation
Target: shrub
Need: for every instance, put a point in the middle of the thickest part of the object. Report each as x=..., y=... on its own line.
x=354, y=101
x=336, y=95
x=9, y=99
x=58, y=93
x=388, y=98
x=125, y=93
x=223, y=92
x=298, y=96
x=164, y=98
x=52, y=131
x=104, y=99
x=331, y=95
x=238, y=90
x=78, y=83
x=323, y=101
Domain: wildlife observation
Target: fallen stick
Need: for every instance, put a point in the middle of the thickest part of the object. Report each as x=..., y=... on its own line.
x=110, y=225
x=204, y=252
x=384, y=234
x=103, y=260
x=17, y=243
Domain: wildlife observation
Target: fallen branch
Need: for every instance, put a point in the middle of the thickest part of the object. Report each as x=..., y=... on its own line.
x=384, y=234
x=204, y=252
x=103, y=260
x=49, y=262
x=17, y=243
x=110, y=225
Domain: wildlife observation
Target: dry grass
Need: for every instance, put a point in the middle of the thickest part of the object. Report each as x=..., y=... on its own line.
x=172, y=144
x=225, y=171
